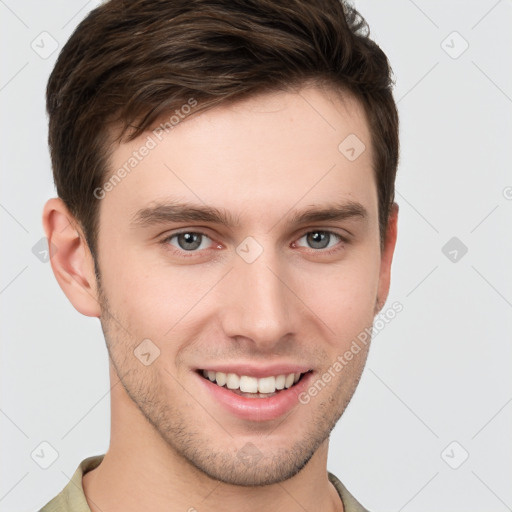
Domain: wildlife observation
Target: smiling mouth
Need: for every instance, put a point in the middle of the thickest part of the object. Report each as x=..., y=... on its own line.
x=252, y=387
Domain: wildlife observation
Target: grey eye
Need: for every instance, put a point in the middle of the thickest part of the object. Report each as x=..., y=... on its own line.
x=188, y=241
x=321, y=239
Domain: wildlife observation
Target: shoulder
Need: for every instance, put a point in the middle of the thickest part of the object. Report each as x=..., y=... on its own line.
x=72, y=497
x=350, y=504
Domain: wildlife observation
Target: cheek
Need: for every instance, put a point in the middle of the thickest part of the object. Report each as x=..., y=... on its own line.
x=343, y=296
x=150, y=298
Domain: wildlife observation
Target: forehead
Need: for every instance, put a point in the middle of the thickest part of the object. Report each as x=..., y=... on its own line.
x=263, y=156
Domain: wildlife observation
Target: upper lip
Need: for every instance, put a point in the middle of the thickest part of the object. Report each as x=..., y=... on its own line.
x=259, y=371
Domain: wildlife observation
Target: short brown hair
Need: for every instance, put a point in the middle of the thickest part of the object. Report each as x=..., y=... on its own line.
x=129, y=62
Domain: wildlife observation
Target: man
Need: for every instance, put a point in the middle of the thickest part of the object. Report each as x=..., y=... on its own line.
x=225, y=172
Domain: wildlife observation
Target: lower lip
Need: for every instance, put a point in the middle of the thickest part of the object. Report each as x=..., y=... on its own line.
x=258, y=409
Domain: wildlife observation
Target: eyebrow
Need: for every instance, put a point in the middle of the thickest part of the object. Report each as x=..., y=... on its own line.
x=161, y=213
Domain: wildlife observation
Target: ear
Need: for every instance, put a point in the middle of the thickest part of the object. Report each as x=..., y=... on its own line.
x=387, y=258
x=70, y=258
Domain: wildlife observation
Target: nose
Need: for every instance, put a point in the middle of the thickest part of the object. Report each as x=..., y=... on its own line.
x=257, y=303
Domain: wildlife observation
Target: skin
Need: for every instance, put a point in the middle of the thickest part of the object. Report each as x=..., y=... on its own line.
x=172, y=447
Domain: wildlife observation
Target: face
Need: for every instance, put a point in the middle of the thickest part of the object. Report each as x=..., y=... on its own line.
x=244, y=248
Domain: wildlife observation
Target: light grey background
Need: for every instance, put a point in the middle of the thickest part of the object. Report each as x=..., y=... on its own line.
x=439, y=372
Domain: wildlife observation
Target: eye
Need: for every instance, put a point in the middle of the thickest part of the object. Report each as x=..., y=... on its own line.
x=189, y=241
x=321, y=239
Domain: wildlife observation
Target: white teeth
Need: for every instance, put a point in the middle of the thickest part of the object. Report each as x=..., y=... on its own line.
x=249, y=384
x=280, y=380
x=267, y=385
x=221, y=378
x=232, y=381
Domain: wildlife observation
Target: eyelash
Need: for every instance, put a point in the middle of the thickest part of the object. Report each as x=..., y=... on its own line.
x=190, y=254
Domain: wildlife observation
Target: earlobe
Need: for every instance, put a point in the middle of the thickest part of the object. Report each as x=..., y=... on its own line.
x=70, y=258
x=387, y=258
